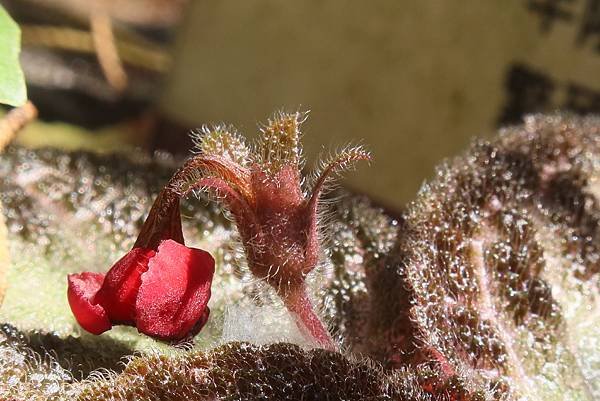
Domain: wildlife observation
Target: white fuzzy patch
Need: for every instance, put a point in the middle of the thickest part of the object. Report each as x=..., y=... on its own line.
x=261, y=325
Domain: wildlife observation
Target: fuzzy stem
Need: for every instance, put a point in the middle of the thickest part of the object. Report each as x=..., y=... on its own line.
x=296, y=300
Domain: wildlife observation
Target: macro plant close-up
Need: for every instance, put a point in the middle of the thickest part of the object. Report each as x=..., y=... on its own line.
x=175, y=224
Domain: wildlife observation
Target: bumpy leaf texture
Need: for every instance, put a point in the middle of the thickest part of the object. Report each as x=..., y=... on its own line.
x=498, y=258
x=485, y=288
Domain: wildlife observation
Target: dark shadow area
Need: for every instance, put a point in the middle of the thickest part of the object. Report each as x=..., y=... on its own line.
x=80, y=356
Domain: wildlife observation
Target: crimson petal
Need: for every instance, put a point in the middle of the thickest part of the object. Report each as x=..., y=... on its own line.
x=82, y=288
x=120, y=288
x=174, y=292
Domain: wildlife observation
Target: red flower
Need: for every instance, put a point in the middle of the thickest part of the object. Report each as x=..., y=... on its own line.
x=161, y=286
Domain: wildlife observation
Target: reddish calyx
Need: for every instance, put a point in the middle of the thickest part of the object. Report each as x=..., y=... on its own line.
x=277, y=219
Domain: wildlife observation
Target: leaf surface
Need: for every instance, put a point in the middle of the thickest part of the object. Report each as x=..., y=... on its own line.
x=12, y=82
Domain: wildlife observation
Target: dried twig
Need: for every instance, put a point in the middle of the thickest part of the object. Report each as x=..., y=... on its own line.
x=106, y=48
x=133, y=52
x=14, y=121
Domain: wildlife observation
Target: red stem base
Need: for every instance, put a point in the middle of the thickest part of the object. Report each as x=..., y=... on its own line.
x=299, y=304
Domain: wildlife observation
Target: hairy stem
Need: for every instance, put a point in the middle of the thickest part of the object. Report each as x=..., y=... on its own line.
x=296, y=300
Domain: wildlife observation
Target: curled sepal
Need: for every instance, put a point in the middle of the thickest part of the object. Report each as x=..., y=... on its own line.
x=337, y=164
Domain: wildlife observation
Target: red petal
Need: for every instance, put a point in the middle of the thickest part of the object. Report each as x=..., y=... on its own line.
x=82, y=288
x=174, y=291
x=200, y=323
x=120, y=288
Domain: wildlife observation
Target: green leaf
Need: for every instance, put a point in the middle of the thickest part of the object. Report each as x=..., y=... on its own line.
x=12, y=82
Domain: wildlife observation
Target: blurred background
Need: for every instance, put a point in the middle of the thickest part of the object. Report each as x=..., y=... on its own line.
x=416, y=81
